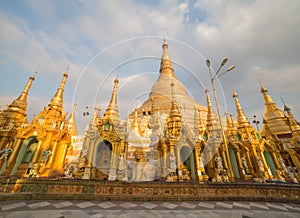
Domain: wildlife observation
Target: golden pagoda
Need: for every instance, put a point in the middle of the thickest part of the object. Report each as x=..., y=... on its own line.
x=39, y=148
x=169, y=138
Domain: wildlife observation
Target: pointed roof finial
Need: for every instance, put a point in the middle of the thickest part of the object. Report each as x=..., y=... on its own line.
x=211, y=116
x=57, y=100
x=241, y=117
x=262, y=88
x=285, y=108
x=174, y=108
x=17, y=109
x=71, y=122
x=112, y=111
x=166, y=64
x=135, y=124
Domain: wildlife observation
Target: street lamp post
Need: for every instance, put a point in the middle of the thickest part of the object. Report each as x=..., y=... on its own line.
x=212, y=79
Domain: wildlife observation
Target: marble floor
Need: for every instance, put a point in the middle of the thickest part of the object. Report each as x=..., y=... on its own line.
x=136, y=209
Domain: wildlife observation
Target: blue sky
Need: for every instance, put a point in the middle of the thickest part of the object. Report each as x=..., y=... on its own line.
x=260, y=37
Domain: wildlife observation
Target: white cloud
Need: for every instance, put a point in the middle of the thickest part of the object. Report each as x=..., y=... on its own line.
x=259, y=37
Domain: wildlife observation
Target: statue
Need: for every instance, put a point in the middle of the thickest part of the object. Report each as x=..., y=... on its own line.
x=122, y=168
x=260, y=163
x=4, y=154
x=225, y=177
x=281, y=162
x=142, y=170
x=172, y=162
x=219, y=163
x=82, y=161
x=278, y=175
x=217, y=177
x=35, y=171
x=45, y=157
x=245, y=165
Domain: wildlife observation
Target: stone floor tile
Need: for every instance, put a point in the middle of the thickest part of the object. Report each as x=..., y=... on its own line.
x=74, y=214
x=291, y=207
x=85, y=204
x=225, y=205
x=39, y=205
x=276, y=206
x=128, y=205
x=149, y=205
x=13, y=206
x=238, y=204
x=63, y=204
x=169, y=205
x=107, y=205
x=206, y=205
x=188, y=205
x=259, y=205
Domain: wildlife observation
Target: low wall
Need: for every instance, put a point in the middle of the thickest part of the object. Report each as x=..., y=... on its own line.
x=47, y=189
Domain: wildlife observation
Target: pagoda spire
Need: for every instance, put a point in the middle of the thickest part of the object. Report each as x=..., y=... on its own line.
x=135, y=125
x=229, y=125
x=174, y=108
x=274, y=117
x=112, y=111
x=232, y=120
x=198, y=123
x=166, y=66
x=57, y=100
x=269, y=103
x=17, y=109
x=174, y=121
x=295, y=126
x=21, y=101
x=71, y=122
x=211, y=116
x=241, y=117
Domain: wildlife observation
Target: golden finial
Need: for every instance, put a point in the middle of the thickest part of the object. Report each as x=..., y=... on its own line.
x=286, y=108
x=115, y=91
x=112, y=111
x=241, y=117
x=262, y=88
x=57, y=99
x=166, y=64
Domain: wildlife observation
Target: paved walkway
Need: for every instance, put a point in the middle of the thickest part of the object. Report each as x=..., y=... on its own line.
x=73, y=208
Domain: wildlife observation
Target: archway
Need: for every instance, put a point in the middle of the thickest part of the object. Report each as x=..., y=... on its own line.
x=270, y=162
x=103, y=153
x=26, y=153
x=188, y=160
x=102, y=160
x=234, y=164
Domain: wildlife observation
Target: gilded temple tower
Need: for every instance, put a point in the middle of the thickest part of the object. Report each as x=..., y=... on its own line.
x=41, y=147
x=89, y=167
x=251, y=155
x=113, y=140
x=13, y=117
x=212, y=137
x=282, y=129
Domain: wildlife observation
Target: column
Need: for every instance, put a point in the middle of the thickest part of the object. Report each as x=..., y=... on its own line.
x=53, y=154
x=240, y=165
x=164, y=161
x=37, y=152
